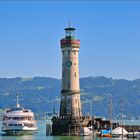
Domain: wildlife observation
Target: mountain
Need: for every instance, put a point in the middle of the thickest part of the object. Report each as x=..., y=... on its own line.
x=42, y=94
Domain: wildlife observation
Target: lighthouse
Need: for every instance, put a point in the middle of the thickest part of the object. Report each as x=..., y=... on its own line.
x=70, y=94
x=70, y=119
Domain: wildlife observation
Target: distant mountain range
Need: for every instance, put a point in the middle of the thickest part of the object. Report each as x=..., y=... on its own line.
x=42, y=94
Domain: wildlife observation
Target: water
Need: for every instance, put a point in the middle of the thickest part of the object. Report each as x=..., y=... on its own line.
x=42, y=136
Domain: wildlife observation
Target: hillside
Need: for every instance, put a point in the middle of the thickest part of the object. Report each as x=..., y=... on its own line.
x=42, y=94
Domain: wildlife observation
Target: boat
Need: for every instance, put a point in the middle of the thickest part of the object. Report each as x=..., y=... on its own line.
x=119, y=132
x=138, y=135
x=133, y=135
x=86, y=131
x=18, y=121
x=105, y=133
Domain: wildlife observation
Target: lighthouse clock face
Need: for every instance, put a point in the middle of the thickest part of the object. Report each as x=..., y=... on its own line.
x=68, y=63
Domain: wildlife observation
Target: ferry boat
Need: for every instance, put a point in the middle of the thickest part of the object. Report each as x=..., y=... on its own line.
x=18, y=121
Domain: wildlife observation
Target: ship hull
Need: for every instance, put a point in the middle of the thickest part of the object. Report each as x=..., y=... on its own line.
x=19, y=132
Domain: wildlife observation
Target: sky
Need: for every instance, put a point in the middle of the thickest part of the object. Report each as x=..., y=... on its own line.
x=109, y=33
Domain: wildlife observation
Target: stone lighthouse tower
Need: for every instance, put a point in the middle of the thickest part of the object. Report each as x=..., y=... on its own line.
x=70, y=118
x=70, y=93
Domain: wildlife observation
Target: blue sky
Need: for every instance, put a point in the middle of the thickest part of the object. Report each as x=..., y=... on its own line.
x=109, y=32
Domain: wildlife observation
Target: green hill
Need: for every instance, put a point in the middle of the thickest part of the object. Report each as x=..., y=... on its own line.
x=42, y=94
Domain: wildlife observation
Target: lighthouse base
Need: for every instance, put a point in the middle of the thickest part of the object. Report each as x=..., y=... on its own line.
x=67, y=125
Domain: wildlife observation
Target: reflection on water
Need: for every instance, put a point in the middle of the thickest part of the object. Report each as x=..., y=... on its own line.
x=53, y=138
x=17, y=138
x=41, y=135
x=88, y=138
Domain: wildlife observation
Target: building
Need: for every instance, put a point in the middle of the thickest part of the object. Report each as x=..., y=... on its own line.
x=70, y=93
x=70, y=119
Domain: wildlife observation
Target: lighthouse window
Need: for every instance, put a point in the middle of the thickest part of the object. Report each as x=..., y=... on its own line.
x=68, y=52
x=75, y=74
x=74, y=63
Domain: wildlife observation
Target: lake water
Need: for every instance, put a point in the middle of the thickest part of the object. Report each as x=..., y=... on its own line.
x=42, y=136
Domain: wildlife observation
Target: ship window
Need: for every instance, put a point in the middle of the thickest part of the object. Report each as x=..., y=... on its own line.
x=19, y=124
x=25, y=111
x=15, y=118
x=21, y=118
x=10, y=124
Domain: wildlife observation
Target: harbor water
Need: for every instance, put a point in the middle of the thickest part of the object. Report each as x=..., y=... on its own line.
x=41, y=135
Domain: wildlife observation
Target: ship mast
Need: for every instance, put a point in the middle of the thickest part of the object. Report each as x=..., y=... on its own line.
x=122, y=114
x=17, y=99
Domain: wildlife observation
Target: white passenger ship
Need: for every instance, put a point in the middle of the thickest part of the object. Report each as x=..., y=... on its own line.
x=18, y=121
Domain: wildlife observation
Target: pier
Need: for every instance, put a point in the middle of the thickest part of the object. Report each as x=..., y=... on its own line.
x=66, y=125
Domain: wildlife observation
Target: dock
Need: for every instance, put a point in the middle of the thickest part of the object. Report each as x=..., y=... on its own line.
x=61, y=125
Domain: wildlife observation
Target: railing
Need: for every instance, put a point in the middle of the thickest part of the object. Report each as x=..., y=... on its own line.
x=66, y=41
x=72, y=117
